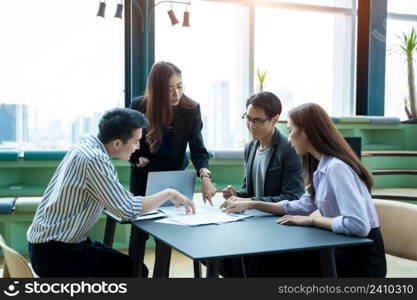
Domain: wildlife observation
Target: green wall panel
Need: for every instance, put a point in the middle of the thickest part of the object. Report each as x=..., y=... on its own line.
x=394, y=162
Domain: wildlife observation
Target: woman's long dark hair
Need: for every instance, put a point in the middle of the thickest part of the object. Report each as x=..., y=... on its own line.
x=157, y=106
x=323, y=135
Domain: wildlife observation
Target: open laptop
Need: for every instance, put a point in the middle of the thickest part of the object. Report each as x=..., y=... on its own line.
x=182, y=181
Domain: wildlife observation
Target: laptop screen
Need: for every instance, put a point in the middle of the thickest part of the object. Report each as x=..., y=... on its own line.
x=182, y=181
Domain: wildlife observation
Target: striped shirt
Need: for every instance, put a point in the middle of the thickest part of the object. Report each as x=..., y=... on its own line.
x=341, y=195
x=83, y=185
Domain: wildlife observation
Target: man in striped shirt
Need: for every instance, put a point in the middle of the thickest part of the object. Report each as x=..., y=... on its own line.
x=84, y=184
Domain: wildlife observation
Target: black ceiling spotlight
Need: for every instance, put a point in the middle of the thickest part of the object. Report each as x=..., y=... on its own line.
x=186, y=19
x=171, y=14
x=119, y=10
x=101, y=9
x=172, y=17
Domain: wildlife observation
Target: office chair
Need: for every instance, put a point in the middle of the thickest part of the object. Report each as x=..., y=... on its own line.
x=398, y=222
x=15, y=266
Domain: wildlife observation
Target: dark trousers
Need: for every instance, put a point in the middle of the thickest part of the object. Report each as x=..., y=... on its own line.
x=363, y=261
x=358, y=261
x=292, y=264
x=85, y=259
x=139, y=179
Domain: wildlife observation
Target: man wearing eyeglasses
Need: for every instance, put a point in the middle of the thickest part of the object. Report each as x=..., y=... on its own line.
x=273, y=169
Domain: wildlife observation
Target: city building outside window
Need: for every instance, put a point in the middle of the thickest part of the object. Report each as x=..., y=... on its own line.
x=61, y=68
x=309, y=54
x=307, y=47
x=212, y=54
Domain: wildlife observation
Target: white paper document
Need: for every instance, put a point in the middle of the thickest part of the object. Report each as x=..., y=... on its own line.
x=169, y=221
x=207, y=218
x=204, y=215
x=172, y=211
x=171, y=215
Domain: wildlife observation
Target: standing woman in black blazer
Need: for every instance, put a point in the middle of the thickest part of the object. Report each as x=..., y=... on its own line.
x=175, y=121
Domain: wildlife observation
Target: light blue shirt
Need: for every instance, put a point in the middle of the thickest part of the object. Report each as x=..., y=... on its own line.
x=341, y=195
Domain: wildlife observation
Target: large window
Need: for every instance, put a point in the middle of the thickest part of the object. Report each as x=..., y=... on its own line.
x=307, y=48
x=309, y=55
x=330, y=3
x=402, y=17
x=402, y=6
x=61, y=68
x=212, y=55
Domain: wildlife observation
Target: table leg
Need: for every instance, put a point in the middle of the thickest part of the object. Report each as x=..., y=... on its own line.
x=328, y=263
x=137, y=250
x=109, y=232
x=213, y=268
x=162, y=260
x=238, y=267
x=197, y=268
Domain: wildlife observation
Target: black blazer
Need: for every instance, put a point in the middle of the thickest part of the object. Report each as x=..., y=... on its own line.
x=185, y=130
x=283, y=178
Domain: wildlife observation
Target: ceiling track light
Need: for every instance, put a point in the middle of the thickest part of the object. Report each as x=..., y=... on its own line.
x=119, y=10
x=101, y=9
x=172, y=17
x=186, y=19
x=171, y=14
x=146, y=19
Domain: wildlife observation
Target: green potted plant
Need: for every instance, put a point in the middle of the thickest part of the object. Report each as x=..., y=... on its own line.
x=408, y=47
x=261, y=79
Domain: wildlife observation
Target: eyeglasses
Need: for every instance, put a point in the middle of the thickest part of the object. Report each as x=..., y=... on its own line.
x=254, y=121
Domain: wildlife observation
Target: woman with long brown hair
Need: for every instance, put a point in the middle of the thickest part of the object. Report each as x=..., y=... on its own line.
x=338, y=185
x=175, y=122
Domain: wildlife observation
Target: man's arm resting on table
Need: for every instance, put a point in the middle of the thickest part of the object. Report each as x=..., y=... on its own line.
x=154, y=201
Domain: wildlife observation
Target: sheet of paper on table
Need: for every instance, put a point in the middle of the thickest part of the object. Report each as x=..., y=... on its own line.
x=204, y=215
x=172, y=211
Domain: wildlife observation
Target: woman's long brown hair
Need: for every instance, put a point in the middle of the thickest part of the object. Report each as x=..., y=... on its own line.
x=158, y=109
x=323, y=135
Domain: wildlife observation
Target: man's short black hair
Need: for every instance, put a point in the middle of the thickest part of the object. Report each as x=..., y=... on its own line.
x=268, y=101
x=119, y=123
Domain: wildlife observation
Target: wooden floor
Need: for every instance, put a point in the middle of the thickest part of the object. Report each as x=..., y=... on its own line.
x=182, y=266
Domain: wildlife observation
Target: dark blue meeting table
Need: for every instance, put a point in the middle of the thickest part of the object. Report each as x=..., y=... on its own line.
x=256, y=235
